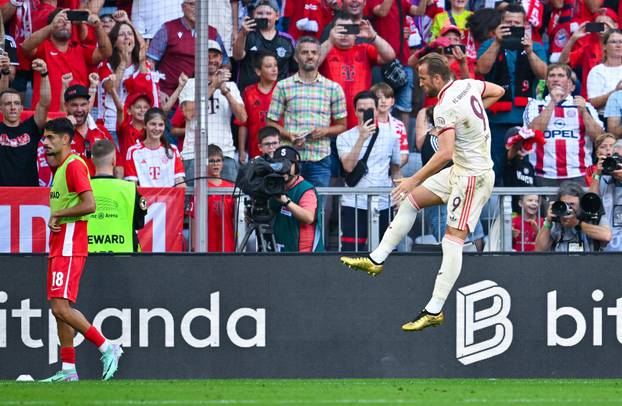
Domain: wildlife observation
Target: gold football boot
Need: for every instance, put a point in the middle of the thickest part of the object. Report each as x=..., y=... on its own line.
x=362, y=264
x=424, y=320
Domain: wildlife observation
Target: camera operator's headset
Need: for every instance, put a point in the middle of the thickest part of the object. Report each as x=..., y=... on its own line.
x=282, y=153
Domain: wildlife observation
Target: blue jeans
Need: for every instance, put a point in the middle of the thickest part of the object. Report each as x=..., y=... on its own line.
x=317, y=172
x=404, y=96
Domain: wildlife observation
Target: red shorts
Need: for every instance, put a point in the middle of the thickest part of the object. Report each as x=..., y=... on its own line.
x=64, y=277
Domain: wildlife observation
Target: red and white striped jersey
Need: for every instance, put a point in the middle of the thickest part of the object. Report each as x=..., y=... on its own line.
x=153, y=167
x=567, y=152
x=396, y=127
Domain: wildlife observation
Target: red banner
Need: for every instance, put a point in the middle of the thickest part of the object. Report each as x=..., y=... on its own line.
x=24, y=213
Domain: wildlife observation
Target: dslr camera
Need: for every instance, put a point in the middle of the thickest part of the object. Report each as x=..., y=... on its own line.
x=611, y=164
x=591, y=209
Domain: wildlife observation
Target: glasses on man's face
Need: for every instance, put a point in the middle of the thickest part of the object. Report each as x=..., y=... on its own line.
x=615, y=42
x=270, y=144
x=214, y=161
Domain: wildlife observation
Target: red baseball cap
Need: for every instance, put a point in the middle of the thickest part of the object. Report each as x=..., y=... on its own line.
x=451, y=27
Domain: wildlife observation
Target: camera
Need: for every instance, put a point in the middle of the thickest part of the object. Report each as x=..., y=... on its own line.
x=591, y=208
x=561, y=209
x=611, y=164
x=262, y=179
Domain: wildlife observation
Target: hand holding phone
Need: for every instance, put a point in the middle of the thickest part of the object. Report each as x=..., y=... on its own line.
x=77, y=15
x=595, y=27
x=261, y=23
x=351, y=28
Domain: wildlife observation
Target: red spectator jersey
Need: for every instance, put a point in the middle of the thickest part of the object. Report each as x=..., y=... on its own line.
x=313, y=10
x=71, y=240
x=257, y=105
x=351, y=68
x=586, y=53
x=82, y=145
x=75, y=60
x=524, y=232
x=389, y=27
x=153, y=167
x=221, y=211
x=178, y=120
x=128, y=136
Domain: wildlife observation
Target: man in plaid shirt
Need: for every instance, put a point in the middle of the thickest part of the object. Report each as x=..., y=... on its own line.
x=313, y=109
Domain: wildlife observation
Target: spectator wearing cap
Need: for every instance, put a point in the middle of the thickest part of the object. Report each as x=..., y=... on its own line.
x=172, y=49
x=19, y=139
x=606, y=77
x=313, y=110
x=350, y=64
x=585, y=50
x=53, y=44
x=252, y=39
x=449, y=44
x=224, y=102
x=570, y=125
x=297, y=224
x=87, y=131
x=131, y=113
x=517, y=71
x=257, y=98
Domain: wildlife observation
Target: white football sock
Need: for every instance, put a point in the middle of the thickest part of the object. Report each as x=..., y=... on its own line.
x=68, y=366
x=400, y=226
x=104, y=347
x=448, y=274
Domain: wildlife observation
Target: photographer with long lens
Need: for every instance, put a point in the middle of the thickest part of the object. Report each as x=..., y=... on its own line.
x=573, y=222
x=298, y=211
x=607, y=183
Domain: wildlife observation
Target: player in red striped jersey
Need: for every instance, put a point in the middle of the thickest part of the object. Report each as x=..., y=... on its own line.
x=464, y=138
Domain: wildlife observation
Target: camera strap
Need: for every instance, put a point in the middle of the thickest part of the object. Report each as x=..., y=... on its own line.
x=370, y=146
x=451, y=18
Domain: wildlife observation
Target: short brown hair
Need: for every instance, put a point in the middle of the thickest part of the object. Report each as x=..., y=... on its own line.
x=437, y=65
x=562, y=66
x=213, y=149
x=601, y=138
x=384, y=89
x=102, y=150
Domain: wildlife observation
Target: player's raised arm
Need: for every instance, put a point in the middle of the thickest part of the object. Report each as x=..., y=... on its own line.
x=492, y=93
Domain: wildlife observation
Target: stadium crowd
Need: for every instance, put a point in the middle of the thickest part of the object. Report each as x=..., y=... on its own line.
x=337, y=81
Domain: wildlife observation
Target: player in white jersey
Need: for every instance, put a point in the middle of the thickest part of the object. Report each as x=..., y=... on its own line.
x=464, y=137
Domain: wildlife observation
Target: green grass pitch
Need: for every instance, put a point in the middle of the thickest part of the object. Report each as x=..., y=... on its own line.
x=317, y=392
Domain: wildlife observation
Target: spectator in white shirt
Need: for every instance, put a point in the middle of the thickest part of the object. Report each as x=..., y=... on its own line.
x=606, y=78
x=224, y=100
x=383, y=158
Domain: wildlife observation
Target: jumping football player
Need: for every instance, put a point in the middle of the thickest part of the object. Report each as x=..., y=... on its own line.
x=71, y=201
x=464, y=137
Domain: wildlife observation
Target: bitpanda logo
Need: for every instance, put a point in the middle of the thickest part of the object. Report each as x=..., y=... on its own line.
x=469, y=321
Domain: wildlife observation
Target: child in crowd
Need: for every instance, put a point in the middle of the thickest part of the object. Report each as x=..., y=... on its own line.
x=386, y=100
x=221, y=208
x=525, y=227
x=153, y=162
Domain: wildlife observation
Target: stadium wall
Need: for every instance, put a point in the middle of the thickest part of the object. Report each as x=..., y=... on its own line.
x=301, y=316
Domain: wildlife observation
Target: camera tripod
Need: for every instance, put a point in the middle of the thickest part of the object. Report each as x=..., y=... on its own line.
x=265, y=237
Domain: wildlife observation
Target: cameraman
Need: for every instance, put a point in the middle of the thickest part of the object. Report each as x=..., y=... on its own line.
x=608, y=185
x=298, y=216
x=568, y=233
